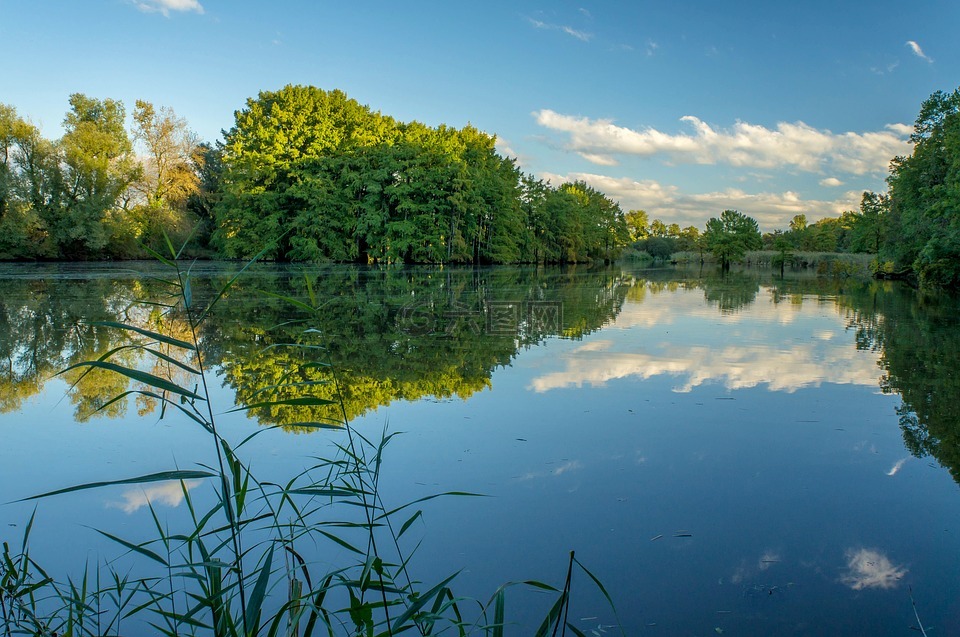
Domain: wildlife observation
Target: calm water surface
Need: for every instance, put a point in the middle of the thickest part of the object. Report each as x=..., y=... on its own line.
x=736, y=455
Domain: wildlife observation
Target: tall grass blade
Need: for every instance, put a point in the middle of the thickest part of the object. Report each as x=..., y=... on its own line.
x=576, y=631
x=603, y=590
x=499, y=612
x=252, y=618
x=230, y=283
x=134, y=547
x=553, y=617
x=303, y=401
x=420, y=602
x=141, y=377
x=163, y=338
x=163, y=476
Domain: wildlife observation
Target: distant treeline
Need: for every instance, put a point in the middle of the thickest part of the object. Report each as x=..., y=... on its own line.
x=914, y=228
x=852, y=231
x=310, y=175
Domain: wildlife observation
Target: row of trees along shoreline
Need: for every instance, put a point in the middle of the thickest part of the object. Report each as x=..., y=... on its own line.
x=317, y=176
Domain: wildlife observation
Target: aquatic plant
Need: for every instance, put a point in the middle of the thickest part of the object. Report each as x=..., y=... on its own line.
x=242, y=566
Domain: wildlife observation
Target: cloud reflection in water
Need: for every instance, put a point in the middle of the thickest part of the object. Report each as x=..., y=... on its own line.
x=168, y=493
x=869, y=568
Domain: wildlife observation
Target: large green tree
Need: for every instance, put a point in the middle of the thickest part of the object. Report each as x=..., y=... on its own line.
x=922, y=225
x=730, y=236
x=98, y=167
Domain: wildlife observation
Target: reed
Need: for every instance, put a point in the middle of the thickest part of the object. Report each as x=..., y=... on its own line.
x=241, y=565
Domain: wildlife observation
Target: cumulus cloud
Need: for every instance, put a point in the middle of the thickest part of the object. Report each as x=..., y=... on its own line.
x=168, y=493
x=916, y=50
x=831, y=182
x=583, y=36
x=868, y=568
x=771, y=209
x=795, y=145
x=693, y=360
x=733, y=367
x=166, y=6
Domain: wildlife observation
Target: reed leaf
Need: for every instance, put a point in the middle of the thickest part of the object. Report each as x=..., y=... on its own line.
x=230, y=283
x=420, y=602
x=302, y=401
x=163, y=338
x=141, y=377
x=553, y=617
x=603, y=590
x=137, y=548
x=255, y=604
x=163, y=476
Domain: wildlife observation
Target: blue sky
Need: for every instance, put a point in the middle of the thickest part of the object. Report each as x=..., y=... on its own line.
x=680, y=108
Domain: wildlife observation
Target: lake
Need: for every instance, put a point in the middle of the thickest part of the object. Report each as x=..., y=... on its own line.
x=732, y=454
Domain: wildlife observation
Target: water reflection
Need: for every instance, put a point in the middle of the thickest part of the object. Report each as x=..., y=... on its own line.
x=169, y=494
x=407, y=334
x=733, y=367
x=869, y=568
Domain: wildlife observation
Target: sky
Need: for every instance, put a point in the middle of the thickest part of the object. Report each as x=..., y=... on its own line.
x=682, y=109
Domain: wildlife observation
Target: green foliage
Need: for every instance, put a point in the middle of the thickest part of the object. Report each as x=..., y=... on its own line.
x=731, y=236
x=327, y=179
x=638, y=224
x=221, y=574
x=660, y=248
x=312, y=173
x=98, y=167
x=384, y=346
x=921, y=230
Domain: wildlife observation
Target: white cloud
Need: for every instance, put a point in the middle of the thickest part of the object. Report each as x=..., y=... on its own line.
x=831, y=182
x=795, y=145
x=583, y=36
x=570, y=465
x=895, y=469
x=168, y=493
x=916, y=50
x=901, y=129
x=772, y=210
x=733, y=367
x=580, y=35
x=693, y=360
x=868, y=568
x=166, y=6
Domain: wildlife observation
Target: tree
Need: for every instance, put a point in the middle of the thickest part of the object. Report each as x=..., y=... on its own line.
x=660, y=248
x=922, y=223
x=658, y=228
x=98, y=169
x=23, y=158
x=688, y=239
x=783, y=248
x=731, y=236
x=638, y=224
x=274, y=139
x=169, y=176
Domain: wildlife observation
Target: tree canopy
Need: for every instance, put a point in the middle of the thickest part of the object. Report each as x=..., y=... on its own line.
x=730, y=236
x=308, y=174
x=320, y=177
x=921, y=231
